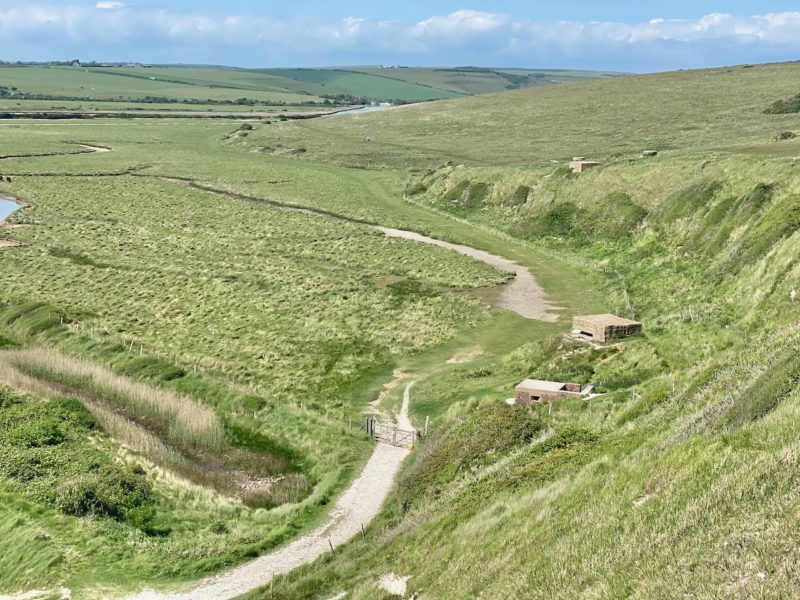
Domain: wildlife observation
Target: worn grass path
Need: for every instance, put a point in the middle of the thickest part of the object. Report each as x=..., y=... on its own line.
x=354, y=509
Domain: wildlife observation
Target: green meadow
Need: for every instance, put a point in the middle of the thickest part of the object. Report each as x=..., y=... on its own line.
x=135, y=291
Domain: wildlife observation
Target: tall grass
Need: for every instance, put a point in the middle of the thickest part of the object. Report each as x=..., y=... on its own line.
x=187, y=421
x=173, y=431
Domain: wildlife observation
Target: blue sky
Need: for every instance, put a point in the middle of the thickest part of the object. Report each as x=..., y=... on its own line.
x=623, y=36
x=581, y=10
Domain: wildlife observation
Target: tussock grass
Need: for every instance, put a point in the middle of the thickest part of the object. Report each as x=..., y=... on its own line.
x=187, y=420
x=173, y=431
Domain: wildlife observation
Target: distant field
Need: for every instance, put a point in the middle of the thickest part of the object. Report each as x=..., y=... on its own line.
x=132, y=84
x=219, y=88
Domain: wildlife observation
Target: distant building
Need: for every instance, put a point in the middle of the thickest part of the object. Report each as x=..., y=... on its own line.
x=579, y=164
x=536, y=391
x=76, y=63
x=604, y=328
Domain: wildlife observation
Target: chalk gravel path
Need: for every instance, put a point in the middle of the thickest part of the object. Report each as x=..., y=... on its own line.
x=356, y=507
x=523, y=294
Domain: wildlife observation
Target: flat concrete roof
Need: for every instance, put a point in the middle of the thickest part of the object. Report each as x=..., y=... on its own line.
x=544, y=386
x=607, y=319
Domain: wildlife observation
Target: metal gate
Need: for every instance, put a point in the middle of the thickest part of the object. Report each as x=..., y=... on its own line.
x=389, y=434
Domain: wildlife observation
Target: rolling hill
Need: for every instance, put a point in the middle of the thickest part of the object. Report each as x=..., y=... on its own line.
x=232, y=86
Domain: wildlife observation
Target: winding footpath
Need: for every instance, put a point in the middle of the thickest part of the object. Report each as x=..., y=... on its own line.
x=353, y=510
x=522, y=295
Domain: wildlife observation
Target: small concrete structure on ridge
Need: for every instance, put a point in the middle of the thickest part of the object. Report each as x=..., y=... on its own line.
x=579, y=164
x=604, y=328
x=536, y=391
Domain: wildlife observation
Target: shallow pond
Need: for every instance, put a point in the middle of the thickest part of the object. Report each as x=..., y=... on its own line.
x=7, y=207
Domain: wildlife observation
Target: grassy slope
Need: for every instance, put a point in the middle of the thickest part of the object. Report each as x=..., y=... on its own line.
x=670, y=112
x=681, y=480
x=132, y=84
x=478, y=81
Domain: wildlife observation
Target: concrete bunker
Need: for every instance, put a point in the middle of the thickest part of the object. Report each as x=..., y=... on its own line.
x=579, y=164
x=604, y=328
x=535, y=391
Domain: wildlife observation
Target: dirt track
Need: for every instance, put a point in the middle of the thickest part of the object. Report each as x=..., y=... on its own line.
x=523, y=294
x=359, y=504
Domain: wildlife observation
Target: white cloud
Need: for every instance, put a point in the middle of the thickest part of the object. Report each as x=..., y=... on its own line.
x=45, y=31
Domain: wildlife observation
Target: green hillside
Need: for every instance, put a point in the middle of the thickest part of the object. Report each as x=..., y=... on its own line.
x=680, y=480
x=475, y=80
x=602, y=119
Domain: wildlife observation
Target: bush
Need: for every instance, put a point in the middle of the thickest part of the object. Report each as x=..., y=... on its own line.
x=476, y=195
x=520, y=196
x=111, y=492
x=36, y=434
x=46, y=454
x=615, y=216
x=472, y=441
x=416, y=189
x=784, y=107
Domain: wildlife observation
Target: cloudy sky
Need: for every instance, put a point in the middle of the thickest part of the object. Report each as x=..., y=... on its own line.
x=621, y=35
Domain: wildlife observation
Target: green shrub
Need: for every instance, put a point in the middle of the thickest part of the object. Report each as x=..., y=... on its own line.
x=519, y=197
x=46, y=455
x=110, y=492
x=784, y=107
x=476, y=195
x=472, y=441
x=35, y=434
x=416, y=189
x=615, y=216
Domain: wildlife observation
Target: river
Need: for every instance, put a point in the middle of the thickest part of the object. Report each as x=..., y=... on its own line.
x=357, y=111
